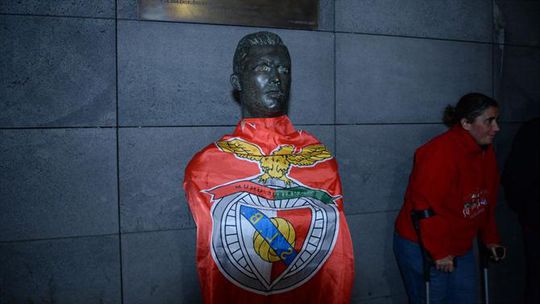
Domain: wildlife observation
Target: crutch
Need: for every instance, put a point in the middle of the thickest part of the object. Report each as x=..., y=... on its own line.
x=484, y=265
x=427, y=261
x=485, y=255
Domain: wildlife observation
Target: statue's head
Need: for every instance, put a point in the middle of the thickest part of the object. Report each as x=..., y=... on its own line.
x=262, y=75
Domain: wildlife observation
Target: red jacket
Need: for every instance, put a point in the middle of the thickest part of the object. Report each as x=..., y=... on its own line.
x=458, y=180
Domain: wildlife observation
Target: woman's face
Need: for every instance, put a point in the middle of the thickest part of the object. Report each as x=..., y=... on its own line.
x=484, y=127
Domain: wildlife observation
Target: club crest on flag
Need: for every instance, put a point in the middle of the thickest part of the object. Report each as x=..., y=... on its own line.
x=270, y=233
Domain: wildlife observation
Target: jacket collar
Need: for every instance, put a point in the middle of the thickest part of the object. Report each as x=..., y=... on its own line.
x=466, y=139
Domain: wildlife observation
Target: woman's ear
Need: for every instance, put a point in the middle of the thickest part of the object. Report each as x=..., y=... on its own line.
x=465, y=124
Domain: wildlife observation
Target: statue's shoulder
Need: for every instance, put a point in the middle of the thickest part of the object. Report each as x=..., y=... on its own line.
x=311, y=139
x=201, y=159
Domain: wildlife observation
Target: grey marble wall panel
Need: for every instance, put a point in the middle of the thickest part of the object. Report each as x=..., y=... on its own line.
x=516, y=78
x=79, y=270
x=517, y=22
x=81, y=8
x=152, y=164
x=159, y=267
x=127, y=9
x=375, y=163
x=312, y=91
x=326, y=15
x=57, y=183
x=178, y=74
x=377, y=274
x=391, y=79
x=57, y=72
x=450, y=19
x=175, y=74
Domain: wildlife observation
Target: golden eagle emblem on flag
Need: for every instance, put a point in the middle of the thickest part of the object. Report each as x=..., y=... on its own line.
x=278, y=163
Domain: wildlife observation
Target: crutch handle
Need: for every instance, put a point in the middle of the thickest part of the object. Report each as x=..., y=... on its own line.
x=484, y=255
x=427, y=261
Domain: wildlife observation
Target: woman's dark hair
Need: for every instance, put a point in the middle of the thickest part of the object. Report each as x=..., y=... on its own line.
x=469, y=107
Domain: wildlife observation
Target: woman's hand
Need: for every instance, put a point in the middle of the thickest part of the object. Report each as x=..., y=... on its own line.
x=445, y=264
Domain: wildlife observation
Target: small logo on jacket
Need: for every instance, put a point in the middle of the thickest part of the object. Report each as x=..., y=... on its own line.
x=476, y=204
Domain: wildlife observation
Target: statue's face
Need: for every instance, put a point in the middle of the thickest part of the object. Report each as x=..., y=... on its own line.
x=265, y=81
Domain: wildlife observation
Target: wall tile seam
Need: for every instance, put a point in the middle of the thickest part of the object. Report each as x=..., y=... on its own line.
x=414, y=37
x=159, y=230
x=418, y=123
x=334, y=80
x=389, y=295
x=57, y=127
x=163, y=21
x=439, y=39
x=209, y=126
x=74, y=237
x=386, y=123
x=493, y=31
x=228, y=25
x=233, y=126
x=386, y=296
x=58, y=16
x=348, y=215
x=142, y=127
x=493, y=47
x=295, y=124
x=536, y=47
x=277, y=28
x=117, y=135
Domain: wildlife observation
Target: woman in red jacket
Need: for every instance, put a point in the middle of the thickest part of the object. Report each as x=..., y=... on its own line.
x=453, y=190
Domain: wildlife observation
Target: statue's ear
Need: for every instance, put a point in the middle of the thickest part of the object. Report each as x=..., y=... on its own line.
x=235, y=82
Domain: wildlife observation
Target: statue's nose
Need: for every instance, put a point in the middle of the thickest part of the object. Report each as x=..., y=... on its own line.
x=275, y=77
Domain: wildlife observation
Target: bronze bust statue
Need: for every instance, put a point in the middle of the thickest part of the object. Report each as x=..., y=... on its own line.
x=262, y=75
x=267, y=198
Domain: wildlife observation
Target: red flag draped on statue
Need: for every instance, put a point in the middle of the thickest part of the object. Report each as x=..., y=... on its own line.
x=269, y=213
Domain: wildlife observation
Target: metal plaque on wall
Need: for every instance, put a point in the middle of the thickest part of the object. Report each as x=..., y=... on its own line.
x=299, y=14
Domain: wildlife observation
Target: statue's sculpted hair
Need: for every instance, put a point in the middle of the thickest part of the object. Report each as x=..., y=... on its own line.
x=251, y=40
